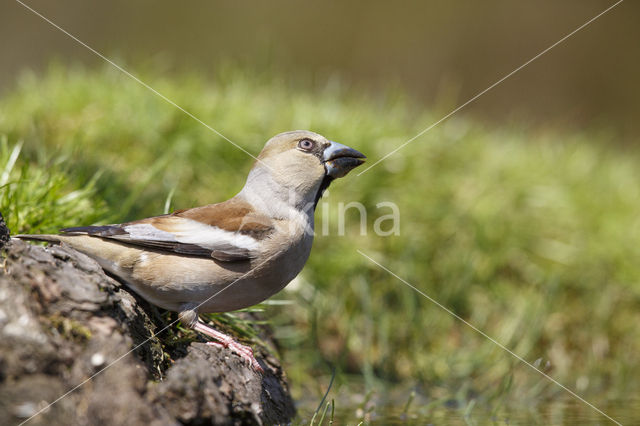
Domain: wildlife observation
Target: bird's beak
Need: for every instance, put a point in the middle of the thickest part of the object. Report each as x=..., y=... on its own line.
x=340, y=159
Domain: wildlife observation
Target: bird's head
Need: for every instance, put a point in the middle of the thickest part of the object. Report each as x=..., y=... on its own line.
x=304, y=163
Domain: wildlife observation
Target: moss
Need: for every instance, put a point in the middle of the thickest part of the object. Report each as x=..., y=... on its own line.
x=70, y=329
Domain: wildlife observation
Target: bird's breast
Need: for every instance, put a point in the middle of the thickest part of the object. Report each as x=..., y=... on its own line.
x=286, y=252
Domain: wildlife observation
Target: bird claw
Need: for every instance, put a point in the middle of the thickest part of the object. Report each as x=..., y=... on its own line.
x=224, y=341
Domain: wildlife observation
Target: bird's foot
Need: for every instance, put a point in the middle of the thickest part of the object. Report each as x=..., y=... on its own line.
x=245, y=352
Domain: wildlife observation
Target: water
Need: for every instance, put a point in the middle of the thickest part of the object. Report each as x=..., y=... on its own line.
x=555, y=412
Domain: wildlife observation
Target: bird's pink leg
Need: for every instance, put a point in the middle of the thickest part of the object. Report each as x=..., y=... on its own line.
x=245, y=352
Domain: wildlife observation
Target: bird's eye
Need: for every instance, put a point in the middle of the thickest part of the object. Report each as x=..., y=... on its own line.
x=306, y=144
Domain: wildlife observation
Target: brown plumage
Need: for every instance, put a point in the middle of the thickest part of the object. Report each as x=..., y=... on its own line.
x=232, y=215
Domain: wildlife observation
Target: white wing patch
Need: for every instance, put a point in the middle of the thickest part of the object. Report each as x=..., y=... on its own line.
x=189, y=231
x=148, y=232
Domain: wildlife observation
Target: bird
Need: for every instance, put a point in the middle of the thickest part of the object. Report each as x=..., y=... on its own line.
x=230, y=255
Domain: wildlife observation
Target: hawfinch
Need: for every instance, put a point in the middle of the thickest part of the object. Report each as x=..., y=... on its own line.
x=226, y=256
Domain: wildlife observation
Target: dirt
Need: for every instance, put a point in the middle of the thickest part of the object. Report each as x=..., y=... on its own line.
x=76, y=347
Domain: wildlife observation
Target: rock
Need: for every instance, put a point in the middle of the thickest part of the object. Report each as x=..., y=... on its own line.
x=72, y=336
x=4, y=232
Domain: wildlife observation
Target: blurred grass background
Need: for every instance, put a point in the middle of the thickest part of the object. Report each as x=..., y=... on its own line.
x=529, y=234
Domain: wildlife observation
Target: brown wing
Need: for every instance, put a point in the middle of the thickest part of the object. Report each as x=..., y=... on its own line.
x=228, y=231
x=233, y=215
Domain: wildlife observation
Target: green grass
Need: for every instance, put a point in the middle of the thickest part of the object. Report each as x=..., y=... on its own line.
x=530, y=235
x=40, y=197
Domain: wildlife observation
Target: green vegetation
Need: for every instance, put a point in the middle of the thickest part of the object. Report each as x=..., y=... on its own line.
x=39, y=197
x=70, y=329
x=530, y=236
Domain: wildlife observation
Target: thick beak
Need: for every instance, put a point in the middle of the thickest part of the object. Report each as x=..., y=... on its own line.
x=340, y=159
